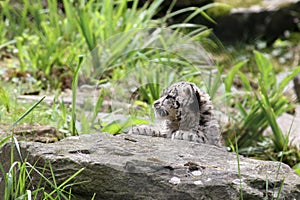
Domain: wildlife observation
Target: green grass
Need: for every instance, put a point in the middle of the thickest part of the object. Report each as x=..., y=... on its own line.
x=18, y=182
x=258, y=109
x=18, y=178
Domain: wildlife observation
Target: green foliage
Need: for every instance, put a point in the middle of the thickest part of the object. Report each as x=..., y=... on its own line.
x=2, y=31
x=297, y=168
x=231, y=74
x=46, y=38
x=118, y=126
x=46, y=43
x=25, y=114
x=235, y=148
x=259, y=108
x=4, y=101
x=74, y=92
x=140, y=61
x=18, y=181
x=98, y=21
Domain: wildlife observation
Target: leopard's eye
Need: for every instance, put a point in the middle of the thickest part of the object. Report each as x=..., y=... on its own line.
x=169, y=97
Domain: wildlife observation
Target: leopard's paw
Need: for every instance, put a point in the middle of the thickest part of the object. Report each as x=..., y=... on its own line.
x=189, y=136
x=144, y=130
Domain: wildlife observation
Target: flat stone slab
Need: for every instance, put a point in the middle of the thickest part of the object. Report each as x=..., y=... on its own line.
x=141, y=167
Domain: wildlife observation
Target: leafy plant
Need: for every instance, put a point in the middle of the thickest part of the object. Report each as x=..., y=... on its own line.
x=297, y=168
x=42, y=37
x=259, y=108
x=98, y=21
x=117, y=126
x=18, y=183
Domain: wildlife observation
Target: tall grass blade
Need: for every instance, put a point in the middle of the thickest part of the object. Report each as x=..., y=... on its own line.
x=245, y=81
x=280, y=189
x=59, y=188
x=266, y=107
x=230, y=76
x=239, y=168
x=74, y=92
x=266, y=77
x=288, y=78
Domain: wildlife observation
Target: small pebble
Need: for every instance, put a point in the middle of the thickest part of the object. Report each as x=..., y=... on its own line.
x=73, y=138
x=197, y=173
x=238, y=181
x=198, y=182
x=174, y=180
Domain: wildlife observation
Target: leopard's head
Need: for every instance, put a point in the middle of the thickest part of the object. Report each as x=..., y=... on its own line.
x=177, y=100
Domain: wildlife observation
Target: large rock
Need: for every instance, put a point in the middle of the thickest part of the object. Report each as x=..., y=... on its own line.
x=268, y=22
x=141, y=167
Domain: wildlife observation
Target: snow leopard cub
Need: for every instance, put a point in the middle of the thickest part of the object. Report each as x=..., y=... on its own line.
x=187, y=113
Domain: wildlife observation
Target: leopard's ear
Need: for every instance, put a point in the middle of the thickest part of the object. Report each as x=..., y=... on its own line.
x=194, y=97
x=189, y=91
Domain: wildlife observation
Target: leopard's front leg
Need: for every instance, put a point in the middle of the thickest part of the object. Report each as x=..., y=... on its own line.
x=148, y=130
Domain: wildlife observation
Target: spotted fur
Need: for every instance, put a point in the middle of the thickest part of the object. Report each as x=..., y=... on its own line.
x=187, y=113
